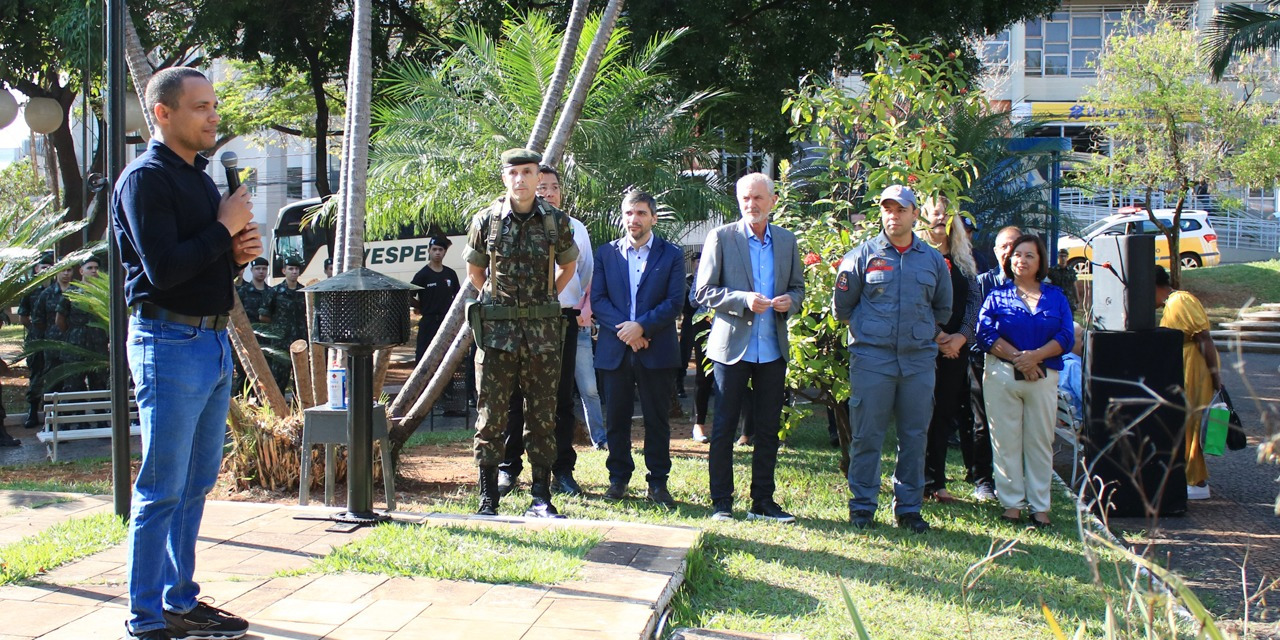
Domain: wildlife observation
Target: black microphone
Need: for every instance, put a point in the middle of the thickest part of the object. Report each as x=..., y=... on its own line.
x=229, y=162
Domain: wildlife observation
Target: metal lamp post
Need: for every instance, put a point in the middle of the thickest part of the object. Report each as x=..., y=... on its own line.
x=359, y=311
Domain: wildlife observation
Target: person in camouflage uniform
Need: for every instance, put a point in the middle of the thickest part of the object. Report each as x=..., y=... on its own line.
x=286, y=311
x=256, y=294
x=74, y=322
x=45, y=315
x=35, y=362
x=511, y=247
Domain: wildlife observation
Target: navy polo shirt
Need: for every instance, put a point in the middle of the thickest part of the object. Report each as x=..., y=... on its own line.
x=176, y=254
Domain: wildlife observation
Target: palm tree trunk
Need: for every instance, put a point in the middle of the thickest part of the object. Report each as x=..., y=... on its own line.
x=355, y=157
x=429, y=367
x=564, y=63
x=581, y=84
x=242, y=337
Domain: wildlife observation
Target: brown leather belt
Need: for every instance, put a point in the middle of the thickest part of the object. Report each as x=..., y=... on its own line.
x=152, y=312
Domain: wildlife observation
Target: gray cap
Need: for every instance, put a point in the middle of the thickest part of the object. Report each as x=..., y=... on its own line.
x=899, y=194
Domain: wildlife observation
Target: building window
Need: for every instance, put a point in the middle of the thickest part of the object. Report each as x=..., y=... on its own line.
x=1067, y=43
x=995, y=52
x=293, y=183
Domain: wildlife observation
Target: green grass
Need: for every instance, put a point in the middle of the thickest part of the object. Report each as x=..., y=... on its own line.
x=11, y=336
x=482, y=554
x=761, y=577
x=61, y=543
x=59, y=484
x=444, y=436
x=1226, y=289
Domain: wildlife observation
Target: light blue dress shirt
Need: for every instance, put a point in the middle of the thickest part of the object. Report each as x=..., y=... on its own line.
x=764, y=331
x=637, y=262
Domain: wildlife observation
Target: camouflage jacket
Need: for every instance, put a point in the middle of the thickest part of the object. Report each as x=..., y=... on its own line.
x=79, y=332
x=518, y=259
x=255, y=302
x=27, y=307
x=287, y=309
x=45, y=312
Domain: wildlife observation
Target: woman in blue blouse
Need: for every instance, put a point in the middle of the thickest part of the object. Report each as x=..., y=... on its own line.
x=1025, y=327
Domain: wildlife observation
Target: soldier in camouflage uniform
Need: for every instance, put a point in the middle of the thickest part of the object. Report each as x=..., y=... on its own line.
x=45, y=315
x=520, y=253
x=256, y=295
x=35, y=362
x=74, y=322
x=286, y=311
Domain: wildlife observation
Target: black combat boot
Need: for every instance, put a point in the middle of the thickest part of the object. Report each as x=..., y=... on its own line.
x=488, y=492
x=540, y=489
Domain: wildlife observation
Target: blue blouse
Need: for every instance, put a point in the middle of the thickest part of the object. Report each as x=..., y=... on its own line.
x=1004, y=315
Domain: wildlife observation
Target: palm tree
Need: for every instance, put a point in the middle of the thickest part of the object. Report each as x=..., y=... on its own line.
x=555, y=91
x=582, y=84
x=440, y=127
x=1237, y=29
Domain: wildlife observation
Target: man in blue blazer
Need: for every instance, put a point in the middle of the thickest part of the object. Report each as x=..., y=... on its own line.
x=636, y=295
x=752, y=278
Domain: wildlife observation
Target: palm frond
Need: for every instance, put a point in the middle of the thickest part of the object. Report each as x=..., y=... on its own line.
x=1238, y=29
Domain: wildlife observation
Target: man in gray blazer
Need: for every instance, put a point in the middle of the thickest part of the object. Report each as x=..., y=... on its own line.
x=751, y=276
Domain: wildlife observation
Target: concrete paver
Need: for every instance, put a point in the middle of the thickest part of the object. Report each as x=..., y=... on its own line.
x=621, y=590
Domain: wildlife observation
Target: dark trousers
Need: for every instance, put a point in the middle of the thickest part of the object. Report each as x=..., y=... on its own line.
x=35, y=386
x=566, y=456
x=688, y=336
x=763, y=401
x=428, y=327
x=704, y=385
x=654, y=387
x=975, y=431
x=952, y=384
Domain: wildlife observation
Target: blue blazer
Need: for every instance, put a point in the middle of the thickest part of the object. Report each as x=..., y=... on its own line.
x=658, y=303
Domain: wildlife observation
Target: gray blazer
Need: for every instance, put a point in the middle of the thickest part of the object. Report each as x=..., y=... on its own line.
x=725, y=284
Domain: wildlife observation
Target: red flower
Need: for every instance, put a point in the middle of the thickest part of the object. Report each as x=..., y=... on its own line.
x=835, y=264
x=915, y=56
x=812, y=259
x=912, y=179
x=963, y=90
x=951, y=56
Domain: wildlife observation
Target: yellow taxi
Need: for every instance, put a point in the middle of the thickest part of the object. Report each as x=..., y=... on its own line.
x=1197, y=241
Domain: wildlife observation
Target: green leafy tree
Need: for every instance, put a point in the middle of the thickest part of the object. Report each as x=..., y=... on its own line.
x=897, y=130
x=1172, y=129
x=441, y=126
x=758, y=49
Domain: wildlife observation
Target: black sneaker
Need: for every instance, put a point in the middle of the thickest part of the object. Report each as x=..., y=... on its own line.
x=154, y=634
x=861, y=518
x=913, y=522
x=564, y=483
x=985, y=491
x=7, y=440
x=506, y=482
x=205, y=621
x=722, y=510
x=769, y=510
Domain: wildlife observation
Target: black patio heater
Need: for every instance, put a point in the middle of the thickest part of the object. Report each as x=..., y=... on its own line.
x=360, y=311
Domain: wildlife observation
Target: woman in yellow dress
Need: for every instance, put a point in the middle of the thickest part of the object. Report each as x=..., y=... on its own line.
x=1182, y=311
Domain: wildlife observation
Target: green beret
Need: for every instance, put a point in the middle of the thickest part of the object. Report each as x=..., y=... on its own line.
x=512, y=157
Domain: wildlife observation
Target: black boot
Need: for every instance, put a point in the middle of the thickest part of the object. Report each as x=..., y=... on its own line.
x=33, y=419
x=540, y=489
x=488, y=492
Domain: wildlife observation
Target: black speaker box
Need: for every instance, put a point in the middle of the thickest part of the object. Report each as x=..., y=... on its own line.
x=1124, y=287
x=1133, y=445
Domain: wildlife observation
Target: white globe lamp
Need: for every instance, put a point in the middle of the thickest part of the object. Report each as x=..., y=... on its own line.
x=8, y=108
x=43, y=115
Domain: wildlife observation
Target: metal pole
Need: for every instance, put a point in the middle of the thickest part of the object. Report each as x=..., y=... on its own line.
x=120, y=481
x=1055, y=204
x=360, y=433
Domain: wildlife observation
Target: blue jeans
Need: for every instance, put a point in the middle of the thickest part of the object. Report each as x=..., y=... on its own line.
x=584, y=374
x=182, y=377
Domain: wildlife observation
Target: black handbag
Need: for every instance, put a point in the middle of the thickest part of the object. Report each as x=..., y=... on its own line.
x=1236, y=439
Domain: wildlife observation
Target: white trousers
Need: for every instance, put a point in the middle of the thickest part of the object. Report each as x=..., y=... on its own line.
x=1021, y=415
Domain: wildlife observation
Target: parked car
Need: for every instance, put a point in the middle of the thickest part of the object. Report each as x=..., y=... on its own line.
x=1197, y=242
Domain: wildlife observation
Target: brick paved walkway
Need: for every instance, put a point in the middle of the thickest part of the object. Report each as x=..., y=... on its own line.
x=621, y=591
x=1208, y=544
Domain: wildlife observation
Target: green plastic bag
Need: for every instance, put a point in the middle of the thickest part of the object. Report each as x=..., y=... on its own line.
x=1214, y=425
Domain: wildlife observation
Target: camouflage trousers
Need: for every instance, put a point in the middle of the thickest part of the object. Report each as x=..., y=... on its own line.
x=498, y=373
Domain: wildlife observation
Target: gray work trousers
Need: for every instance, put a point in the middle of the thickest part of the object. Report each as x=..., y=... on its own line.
x=874, y=398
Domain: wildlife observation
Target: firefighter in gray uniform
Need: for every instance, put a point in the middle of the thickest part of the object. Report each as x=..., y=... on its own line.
x=894, y=291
